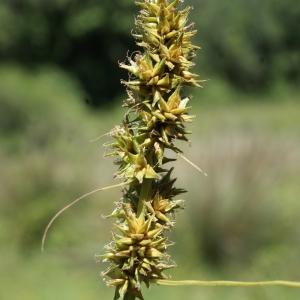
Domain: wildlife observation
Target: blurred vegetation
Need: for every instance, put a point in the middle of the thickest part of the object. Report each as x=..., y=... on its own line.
x=240, y=223
x=86, y=39
x=250, y=44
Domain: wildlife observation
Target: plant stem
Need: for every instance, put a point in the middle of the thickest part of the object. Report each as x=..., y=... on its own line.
x=227, y=283
x=129, y=296
x=145, y=189
x=146, y=186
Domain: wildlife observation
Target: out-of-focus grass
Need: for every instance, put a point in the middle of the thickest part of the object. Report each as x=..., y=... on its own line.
x=240, y=223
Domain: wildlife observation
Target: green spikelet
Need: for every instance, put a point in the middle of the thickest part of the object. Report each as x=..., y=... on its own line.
x=138, y=253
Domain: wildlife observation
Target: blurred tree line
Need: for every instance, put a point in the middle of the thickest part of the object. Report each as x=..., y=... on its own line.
x=250, y=44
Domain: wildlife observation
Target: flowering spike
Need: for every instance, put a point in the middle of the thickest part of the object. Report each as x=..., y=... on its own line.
x=157, y=75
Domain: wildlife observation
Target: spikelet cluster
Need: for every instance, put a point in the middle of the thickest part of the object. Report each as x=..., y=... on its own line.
x=155, y=119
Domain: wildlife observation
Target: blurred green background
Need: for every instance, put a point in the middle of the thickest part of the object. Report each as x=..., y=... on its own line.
x=59, y=89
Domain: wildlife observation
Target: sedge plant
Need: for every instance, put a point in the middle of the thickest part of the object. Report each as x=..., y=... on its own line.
x=155, y=120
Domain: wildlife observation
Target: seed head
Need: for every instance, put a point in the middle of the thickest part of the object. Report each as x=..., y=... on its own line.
x=157, y=75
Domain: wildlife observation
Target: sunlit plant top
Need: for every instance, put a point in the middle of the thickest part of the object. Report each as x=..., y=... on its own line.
x=155, y=120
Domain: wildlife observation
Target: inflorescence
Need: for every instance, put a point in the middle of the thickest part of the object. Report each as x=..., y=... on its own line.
x=155, y=119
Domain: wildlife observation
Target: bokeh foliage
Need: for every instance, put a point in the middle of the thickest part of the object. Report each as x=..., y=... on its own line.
x=250, y=44
x=85, y=38
x=241, y=222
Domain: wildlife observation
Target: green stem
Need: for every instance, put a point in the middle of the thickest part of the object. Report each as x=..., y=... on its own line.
x=129, y=296
x=146, y=186
x=227, y=283
x=145, y=189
